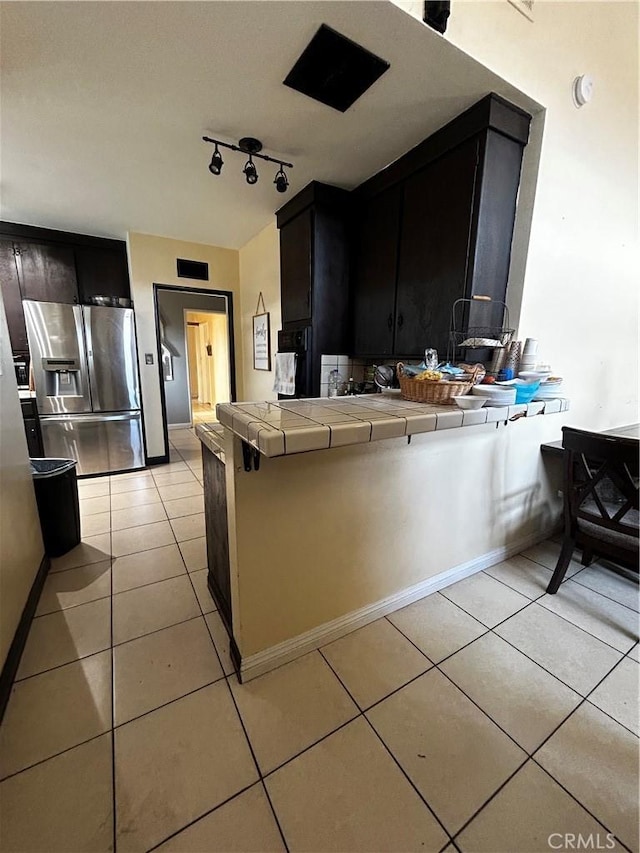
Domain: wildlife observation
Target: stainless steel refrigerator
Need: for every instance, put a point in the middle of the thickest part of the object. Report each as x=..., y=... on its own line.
x=87, y=391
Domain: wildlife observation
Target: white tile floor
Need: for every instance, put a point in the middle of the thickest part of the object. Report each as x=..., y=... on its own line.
x=486, y=717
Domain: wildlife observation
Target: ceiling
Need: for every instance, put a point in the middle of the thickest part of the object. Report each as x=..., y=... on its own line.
x=104, y=106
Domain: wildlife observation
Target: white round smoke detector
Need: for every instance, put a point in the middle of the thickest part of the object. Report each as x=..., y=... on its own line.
x=582, y=90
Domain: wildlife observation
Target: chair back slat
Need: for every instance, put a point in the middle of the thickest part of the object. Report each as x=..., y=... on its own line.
x=601, y=481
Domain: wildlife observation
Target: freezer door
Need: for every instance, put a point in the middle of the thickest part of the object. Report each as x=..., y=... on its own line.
x=99, y=443
x=111, y=352
x=58, y=358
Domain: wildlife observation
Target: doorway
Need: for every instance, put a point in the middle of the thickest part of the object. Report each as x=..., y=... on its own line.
x=196, y=364
x=208, y=363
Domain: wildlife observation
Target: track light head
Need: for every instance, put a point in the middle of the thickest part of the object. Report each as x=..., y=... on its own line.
x=252, y=148
x=281, y=181
x=250, y=171
x=216, y=164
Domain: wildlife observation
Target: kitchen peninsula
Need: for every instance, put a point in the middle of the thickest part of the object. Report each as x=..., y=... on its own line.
x=396, y=500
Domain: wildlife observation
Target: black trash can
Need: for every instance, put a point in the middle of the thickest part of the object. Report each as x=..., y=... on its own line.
x=56, y=489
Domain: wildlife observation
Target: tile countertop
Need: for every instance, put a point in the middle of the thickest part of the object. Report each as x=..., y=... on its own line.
x=212, y=436
x=296, y=426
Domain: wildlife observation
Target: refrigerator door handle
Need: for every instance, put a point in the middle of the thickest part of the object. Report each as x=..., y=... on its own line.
x=91, y=419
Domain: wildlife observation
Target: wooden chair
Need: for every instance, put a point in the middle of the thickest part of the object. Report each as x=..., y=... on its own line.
x=600, y=500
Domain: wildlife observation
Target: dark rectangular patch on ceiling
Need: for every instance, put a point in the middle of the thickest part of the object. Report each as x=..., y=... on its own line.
x=198, y=270
x=335, y=70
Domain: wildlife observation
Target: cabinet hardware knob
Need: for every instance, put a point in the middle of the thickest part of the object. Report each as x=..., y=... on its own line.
x=400, y=321
x=390, y=320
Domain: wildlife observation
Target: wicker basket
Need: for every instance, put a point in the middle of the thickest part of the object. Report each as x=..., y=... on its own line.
x=440, y=392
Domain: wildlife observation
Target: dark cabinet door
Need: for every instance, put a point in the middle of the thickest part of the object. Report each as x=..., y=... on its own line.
x=376, y=269
x=102, y=272
x=12, y=298
x=434, y=249
x=219, y=576
x=34, y=438
x=296, y=259
x=47, y=272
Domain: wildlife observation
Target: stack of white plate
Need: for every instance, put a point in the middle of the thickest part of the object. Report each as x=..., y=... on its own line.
x=549, y=390
x=495, y=395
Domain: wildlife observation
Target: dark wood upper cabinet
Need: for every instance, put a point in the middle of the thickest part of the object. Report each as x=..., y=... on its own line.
x=296, y=259
x=102, y=272
x=315, y=272
x=56, y=266
x=12, y=298
x=454, y=196
x=47, y=272
x=434, y=249
x=375, y=271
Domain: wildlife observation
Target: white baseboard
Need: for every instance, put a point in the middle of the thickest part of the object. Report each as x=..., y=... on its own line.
x=265, y=661
x=179, y=426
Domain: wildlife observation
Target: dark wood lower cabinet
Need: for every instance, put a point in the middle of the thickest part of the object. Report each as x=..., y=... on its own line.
x=215, y=509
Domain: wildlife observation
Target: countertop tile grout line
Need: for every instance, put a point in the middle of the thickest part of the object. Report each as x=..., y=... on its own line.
x=390, y=753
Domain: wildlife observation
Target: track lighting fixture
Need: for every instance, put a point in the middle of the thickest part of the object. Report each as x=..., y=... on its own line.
x=250, y=171
x=280, y=180
x=216, y=164
x=252, y=147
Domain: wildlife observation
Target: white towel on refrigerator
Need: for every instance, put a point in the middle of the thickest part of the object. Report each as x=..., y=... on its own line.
x=285, y=373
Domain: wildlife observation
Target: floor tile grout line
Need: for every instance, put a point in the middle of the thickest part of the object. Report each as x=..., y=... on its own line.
x=394, y=759
x=574, y=578
x=55, y=755
x=575, y=799
x=61, y=665
x=526, y=751
x=239, y=715
x=604, y=595
x=201, y=817
x=71, y=606
x=431, y=661
x=528, y=604
x=114, y=812
x=569, y=622
x=107, y=648
x=477, y=812
x=166, y=704
x=579, y=705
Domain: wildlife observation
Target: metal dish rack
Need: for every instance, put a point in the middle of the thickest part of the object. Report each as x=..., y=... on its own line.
x=459, y=331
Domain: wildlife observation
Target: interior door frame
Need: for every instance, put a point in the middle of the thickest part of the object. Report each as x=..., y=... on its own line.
x=200, y=291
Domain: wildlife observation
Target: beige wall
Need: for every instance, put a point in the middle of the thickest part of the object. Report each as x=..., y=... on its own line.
x=152, y=260
x=317, y=536
x=580, y=296
x=260, y=271
x=21, y=548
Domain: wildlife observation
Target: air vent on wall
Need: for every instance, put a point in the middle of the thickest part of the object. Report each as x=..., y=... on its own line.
x=335, y=70
x=193, y=269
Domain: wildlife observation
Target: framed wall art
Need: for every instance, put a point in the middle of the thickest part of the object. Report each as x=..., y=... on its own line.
x=261, y=337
